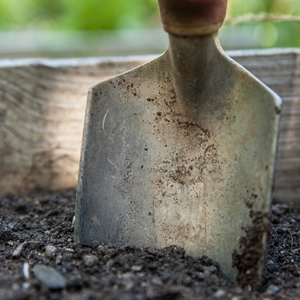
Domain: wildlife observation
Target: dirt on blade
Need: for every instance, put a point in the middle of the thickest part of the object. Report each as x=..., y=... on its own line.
x=248, y=258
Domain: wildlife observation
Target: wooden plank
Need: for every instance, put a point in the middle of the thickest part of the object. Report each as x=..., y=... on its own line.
x=42, y=104
x=289, y=194
x=291, y=133
x=288, y=154
x=281, y=72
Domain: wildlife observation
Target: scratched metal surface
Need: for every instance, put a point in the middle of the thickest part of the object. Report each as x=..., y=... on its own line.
x=178, y=151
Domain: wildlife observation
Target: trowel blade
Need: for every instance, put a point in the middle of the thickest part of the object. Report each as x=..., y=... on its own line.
x=160, y=169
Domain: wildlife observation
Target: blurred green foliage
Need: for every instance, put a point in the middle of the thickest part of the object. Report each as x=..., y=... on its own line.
x=125, y=14
x=76, y=14
x=270, y=34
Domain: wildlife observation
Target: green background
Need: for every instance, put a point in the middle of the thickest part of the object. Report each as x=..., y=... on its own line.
x=92, y=15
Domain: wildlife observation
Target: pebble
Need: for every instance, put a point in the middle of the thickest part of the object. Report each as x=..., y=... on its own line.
x=101, y=250
x=127, y=276
x=19, y=250
x=187, y=281
x=49, y=277
x=26, y=271
x=165, y=277
x=90, y=260
x=50, y=250
x=128, y=280
x=220, y=294
x=210, y=269
x=14, y=226
x=58, y=259
x=25, y=286
x=69, y=250
x=200, y=276
x=136, y=268
x=270, y=265
x=109, y=264
x=156, y=281
x=272, y=290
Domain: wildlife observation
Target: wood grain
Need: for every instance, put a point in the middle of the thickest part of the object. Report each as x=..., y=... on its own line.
x=42, y=106
x=280, y=70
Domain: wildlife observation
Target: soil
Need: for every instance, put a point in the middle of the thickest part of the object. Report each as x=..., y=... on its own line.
x=31, y=223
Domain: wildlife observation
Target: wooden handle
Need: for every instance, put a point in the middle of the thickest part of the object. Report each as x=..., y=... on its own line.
x=192, y=17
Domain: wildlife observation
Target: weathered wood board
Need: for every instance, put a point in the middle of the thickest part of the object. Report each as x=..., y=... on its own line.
x=280, y=70
x=42, y=106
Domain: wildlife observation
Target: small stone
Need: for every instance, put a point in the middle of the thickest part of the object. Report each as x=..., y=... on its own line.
x=19, y=250
x=69, y=250
x=187, y=281
x=156, y=281
x=26, y=271
x=127, y=276
x=49, y=277
x=165, y=277
x=109, y=264
x=73, y=220
x=270, y=265
x=50, y=250
x=25, y=286
x=207, y=274
x=128, y=281
x=101, y=250
x=272, y=290
x=58, y=260
x=211, y=269
x=90, y=260
x=14, y=226
x=220, y=294
x=136, y=268
x=200, y=276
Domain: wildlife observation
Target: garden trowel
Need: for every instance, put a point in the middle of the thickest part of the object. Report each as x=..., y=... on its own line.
x=180, y=151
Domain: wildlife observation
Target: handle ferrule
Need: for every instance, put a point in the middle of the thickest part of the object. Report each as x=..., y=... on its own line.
x=192, y=17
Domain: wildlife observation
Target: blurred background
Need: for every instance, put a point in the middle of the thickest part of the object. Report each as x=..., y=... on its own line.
x=76, y=28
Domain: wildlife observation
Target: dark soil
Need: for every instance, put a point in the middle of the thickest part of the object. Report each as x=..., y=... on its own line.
x=104, y=271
